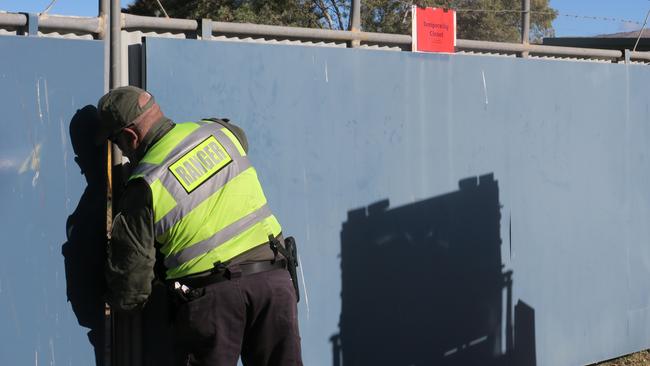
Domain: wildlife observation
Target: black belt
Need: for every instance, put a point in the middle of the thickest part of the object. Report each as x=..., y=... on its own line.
x=231, y=272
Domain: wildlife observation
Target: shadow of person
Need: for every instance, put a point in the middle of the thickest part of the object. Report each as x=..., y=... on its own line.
x=85, y=250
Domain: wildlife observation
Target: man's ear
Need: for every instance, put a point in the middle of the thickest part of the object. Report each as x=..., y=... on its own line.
x=131, y=137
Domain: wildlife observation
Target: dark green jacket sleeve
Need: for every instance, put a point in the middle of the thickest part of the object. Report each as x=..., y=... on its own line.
x=131, y=252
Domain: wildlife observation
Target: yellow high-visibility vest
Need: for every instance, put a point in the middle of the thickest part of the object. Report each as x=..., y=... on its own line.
x=208, y=203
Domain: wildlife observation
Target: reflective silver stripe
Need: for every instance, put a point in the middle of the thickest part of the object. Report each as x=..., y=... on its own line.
x=198, y=196
x=189, y=141
x=204, y=191
x=218, y=238
x=171, y=183
x=153, y=171
x=143, y=169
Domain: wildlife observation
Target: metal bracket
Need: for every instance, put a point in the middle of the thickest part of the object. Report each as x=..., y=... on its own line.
x=206, y=28
x=31, y=28
x=355, y=43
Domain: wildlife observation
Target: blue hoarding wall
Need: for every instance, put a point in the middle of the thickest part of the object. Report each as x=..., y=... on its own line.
x=53, y=217
x=371, y=160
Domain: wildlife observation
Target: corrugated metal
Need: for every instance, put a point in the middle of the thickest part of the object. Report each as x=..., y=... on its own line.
x=270, y=40
x=380, y=48
x=275, y=41
x=562, y=147
x=486, y=54
x=66, y=35
x=573, y=59
x=6, y=32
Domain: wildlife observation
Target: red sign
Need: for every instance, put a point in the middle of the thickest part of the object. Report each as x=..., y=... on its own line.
x=434, y=29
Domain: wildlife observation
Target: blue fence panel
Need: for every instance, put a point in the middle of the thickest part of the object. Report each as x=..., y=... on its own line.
x=543, y=260
x=51, y=236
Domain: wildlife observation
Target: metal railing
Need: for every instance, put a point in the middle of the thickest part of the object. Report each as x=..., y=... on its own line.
x=54, y=23
x=207, y=28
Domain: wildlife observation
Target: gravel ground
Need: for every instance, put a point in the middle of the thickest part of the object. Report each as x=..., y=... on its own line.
x=636, y=359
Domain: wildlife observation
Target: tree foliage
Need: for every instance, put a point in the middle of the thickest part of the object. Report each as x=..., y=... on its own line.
x=494, y=20
x=300, y=13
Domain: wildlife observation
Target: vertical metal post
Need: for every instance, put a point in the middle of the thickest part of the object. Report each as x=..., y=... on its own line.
x=115, y=48
x=525, y=25
x=127, y=328
x=356, y=21
x=116, y=44
x=105, y=35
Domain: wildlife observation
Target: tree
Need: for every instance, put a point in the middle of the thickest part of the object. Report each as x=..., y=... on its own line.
x=331, y=14
x=494, y=20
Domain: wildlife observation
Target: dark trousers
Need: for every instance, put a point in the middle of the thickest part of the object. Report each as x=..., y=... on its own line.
x=254, y=316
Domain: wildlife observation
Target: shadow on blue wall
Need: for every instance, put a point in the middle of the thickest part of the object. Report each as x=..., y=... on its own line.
x=85, y=250
x=139, y=337
x=424, y=284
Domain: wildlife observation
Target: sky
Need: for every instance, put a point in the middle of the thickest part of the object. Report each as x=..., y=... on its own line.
x=565, y=25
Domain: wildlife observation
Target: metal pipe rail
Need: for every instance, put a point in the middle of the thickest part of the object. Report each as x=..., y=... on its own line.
x=54, y=23
x=67, y=23
x=271, y=31
x=137, y=22
x=485, y=46
x=640, y=55
x=258, y=30
x=596, y=53
x=13, y=20
x=132, y=22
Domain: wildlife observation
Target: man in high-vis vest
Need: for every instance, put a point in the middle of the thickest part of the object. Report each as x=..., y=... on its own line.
x=194, y=199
